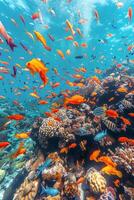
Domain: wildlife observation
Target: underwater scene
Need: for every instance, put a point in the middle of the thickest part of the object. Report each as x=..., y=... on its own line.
x=66, y=100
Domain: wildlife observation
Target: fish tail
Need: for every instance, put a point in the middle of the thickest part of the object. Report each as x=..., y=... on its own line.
x=43, y=77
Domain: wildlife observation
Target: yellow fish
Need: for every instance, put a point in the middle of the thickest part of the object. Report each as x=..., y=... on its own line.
x=22, y=135
x=34, y=95
x=37, y=66
x=30, y=35
x=111, y=171
x=18, y=65
x=42, y=40
x=70, y=26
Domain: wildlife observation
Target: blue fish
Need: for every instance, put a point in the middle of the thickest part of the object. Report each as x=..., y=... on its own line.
x=98, y=111
x=49, y=191
x=45, y=165
x=100, y=136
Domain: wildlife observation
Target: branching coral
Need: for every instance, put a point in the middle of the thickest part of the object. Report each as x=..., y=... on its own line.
x=124, y=157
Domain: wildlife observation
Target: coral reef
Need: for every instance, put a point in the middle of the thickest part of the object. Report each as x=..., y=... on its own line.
x=124, y=157
x=96, y=181
x=27, y=190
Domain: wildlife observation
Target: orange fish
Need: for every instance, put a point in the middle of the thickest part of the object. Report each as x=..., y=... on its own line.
x=96, y=79
x=117, y=182
x=79, y=32
x=54, y=110
x=77, y=76
x=98, y=71
x=84, y=45
x=19, y=151
x=22, y=135
x=80, y=180
x=75, y=100
x=40, y=37
x=93, y=94
x=122, y=90
x=122, y=139
x=69, y=37
x=16, y=117
x=50, y=123
x=125, y=121
x=76, y=44
x=111, y=171
x=64, y=150
x=42, y=102
x=131, y=141
x=60, y=53
x=111, y=99
x=4, y=144
x=112, y=113
x=72, y=146
x=55, y=85
x=131, y=114
x=125, y=139
x=107, y=160
x=48, y=114
x=130, y=13
x=82, y=69
x=37, y=66
x=43, y=78
x=95, y=155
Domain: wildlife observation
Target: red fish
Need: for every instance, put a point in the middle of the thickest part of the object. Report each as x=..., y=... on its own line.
x=42, y=102
x=16, y=117
x=55, y=85
x=35, y=16
x=19, y=151
x=125, y=139
x=125, y=121
x=54, y=110
x=72, y=146
x=43, y=78
x=48, y=114
x=131, y=114
x=130, y=13
x=122, y=139
x=80, y=180
x=4, y=144
x=112, y=113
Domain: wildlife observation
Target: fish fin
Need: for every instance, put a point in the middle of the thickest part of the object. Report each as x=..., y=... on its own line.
x=11, y=44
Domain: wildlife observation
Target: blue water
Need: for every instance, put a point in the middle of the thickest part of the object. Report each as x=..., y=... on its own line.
x=111, y=20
